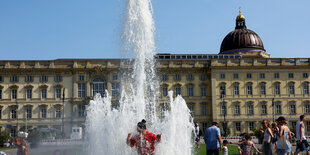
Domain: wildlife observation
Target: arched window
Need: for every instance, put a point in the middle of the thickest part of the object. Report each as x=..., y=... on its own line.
x=262, y=88
x=249, y=87
x=292, y=107
x=98, y=86
x=291, y=87
x=236, y=88
x=223, y=88
x=306, y=88
x=250, y=108
x=277, y=88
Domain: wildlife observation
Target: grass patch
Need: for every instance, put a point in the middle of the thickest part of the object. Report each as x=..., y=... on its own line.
x=232, y=149
x=4, y=148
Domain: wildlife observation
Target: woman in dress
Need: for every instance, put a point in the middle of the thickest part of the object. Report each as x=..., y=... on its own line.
x=268, y=136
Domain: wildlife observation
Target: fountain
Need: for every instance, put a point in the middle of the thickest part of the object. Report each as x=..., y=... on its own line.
x=107, y=127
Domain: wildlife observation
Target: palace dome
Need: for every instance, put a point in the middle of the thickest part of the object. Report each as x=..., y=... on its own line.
x=241, y=39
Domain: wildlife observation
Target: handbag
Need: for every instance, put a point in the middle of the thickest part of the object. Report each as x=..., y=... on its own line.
x=283, y=142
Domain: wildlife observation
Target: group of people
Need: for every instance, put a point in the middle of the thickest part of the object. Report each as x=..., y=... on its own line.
x=277, y=138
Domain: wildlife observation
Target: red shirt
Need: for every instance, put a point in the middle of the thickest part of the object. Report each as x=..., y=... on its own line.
x=145, y=144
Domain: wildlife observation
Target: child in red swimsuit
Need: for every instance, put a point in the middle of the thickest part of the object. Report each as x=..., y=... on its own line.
x=144, y=141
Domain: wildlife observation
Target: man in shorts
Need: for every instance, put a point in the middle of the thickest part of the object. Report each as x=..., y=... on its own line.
x=302, y=143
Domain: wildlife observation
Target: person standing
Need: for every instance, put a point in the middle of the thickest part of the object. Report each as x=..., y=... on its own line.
x=22, y=147
x=284, y=138
x=268, y=136
x=197, y=134
x=213, y=139
x=302, y=143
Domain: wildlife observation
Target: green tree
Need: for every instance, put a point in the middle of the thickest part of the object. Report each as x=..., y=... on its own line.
x=4, y=136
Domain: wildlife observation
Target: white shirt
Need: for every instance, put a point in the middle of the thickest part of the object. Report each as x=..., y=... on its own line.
x=298, y=131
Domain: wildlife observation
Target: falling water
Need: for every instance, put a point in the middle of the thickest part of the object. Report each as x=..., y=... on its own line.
x=107, y=128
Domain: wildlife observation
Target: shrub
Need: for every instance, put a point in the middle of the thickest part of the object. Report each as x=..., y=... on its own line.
x=4, y=137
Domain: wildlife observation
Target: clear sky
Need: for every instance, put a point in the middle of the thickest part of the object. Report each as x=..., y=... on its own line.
x=51, y=29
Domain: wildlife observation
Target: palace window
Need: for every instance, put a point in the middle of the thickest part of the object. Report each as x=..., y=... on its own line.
x=249, y=89
x=13, y=113
x=236, y=88
x=28, y=78
x=0, y=113
x=238, y=126
x=177, y=77
x=58, y=78
x=29, y=93
x=98, y=86
x=223, y=109
x=1, y=79
x=115, y=89
x=81, y=77
x=43, y=93
x=190, y=91
x=305, y=75
x=14, y=93
x=58, y=93
x=276, y=75
x=58, y=113
x=115, y=77
x=43, y=113
x=222, y=76
x=165, y=91
x=164, y=77
x=264, y=109
x=237, y=109
x=0, y=94
x=251, y=126
x=178, y=91
x=204, y=126
x=204, y=110
x=236, y=76
x=278, y=109
x=29, y=113
x=262, y=75
x=293, y=108
x=307, y=108
x=249, y=75
x=82, y=110
x=223, y=89
x=203, y=77
x=263, y=89
x=203, y=91
x=291, y=88
x=43, y=78
x=306, y=88
x=250, y=109
x=308, y=127
x=81, y=90
x=190, y=77
x=290, y=75
x=14, y=78
x=277, y=88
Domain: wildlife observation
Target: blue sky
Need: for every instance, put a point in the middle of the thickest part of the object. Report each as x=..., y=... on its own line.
x=51, y=29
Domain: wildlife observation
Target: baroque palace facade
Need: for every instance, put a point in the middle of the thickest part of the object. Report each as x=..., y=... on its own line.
x=241, y=86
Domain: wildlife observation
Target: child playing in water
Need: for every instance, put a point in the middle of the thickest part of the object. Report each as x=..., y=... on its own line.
x=144, y=141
